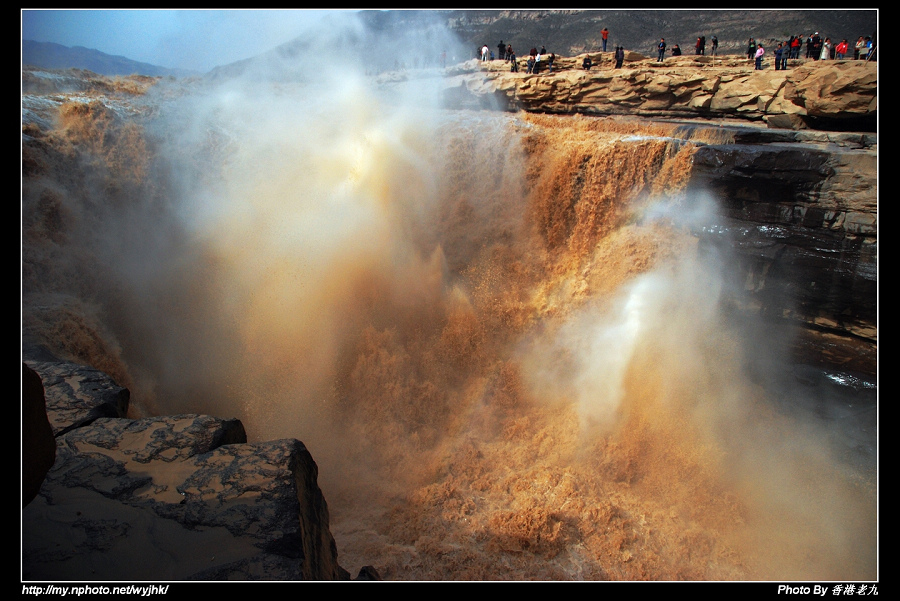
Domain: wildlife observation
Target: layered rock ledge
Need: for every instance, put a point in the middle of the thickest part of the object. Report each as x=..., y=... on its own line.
x=820, y=94
x=179, y=497
x=799, y=209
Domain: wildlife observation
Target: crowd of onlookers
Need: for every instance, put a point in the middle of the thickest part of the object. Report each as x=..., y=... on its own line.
x=816, y=48
x=536, y=58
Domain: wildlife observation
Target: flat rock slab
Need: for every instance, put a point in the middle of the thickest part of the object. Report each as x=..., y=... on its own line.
x=77, y=394
x=181, y=497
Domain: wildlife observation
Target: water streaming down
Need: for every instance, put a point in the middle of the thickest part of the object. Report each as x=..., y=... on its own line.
x=500, y=336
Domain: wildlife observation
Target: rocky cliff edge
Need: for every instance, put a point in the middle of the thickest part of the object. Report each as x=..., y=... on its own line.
x=170, y=498
x=819, y=94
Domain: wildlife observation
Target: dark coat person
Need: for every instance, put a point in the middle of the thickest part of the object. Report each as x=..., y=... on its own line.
x=779, y=52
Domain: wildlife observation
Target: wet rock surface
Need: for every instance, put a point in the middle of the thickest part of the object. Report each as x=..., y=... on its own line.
x=178, y=497
x=802, y=219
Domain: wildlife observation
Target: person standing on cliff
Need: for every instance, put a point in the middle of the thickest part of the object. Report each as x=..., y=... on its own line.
x=604, y=35
x=779, y=53
x=825, y=53
x=620, y=56
x=760, y=51
x=661, y=48
x=501, y=51
x=840, y=51
x=860, y=44
x=751, y=49
x=816, y=46
x=715, y=46
x=514, y=66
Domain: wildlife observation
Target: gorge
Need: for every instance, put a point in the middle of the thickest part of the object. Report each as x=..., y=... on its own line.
x=521, y=339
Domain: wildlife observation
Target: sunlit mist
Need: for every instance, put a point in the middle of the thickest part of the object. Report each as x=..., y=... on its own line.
x=502, y=337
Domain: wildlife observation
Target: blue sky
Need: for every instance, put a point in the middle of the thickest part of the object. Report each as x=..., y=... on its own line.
x=190, y=39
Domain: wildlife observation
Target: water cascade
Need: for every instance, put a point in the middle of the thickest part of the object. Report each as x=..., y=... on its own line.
x=503, y=337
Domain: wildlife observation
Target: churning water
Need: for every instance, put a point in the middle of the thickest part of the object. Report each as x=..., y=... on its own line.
x=499, y=335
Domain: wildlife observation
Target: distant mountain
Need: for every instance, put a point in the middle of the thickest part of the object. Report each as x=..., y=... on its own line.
x=55, y=56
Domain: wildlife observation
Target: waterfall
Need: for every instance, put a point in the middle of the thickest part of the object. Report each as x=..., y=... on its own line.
x=500, y=335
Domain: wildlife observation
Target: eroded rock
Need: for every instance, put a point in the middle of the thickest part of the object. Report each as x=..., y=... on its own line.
x=181, y=497
x=830, y=94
